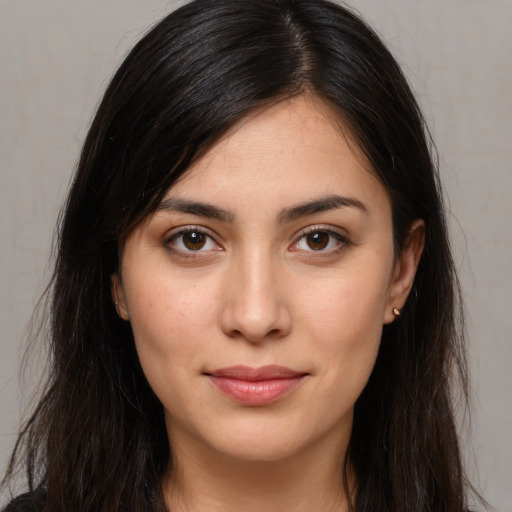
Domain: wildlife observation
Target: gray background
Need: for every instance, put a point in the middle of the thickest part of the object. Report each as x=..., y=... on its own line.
x=56, y=57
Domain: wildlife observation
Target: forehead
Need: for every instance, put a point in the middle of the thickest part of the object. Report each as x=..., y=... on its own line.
x=290, y=152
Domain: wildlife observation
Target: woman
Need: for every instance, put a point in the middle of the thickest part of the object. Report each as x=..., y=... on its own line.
x=254, y=305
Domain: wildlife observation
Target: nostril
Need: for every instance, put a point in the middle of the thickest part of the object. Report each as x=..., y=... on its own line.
x=255, y=336
x=254, y=313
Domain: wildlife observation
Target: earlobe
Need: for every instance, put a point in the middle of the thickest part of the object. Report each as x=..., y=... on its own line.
x=405, y=270
x=118, y=298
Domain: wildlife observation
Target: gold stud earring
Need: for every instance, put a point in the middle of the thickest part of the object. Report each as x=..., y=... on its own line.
x=396, y=312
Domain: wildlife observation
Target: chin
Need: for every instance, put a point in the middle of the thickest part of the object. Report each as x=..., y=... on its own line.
x=271, y=440
x=260, y=450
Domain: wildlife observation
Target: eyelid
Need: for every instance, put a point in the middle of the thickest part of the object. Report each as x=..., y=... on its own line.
x=339, y=234
x=190, y=228
x=330, y=230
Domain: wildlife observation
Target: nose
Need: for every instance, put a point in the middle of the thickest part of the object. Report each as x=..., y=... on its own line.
x=254, y=304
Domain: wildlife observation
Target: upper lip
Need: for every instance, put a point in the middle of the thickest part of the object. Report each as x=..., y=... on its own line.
x=247, y=373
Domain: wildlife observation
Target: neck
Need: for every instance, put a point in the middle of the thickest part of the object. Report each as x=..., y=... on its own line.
x=204, y=480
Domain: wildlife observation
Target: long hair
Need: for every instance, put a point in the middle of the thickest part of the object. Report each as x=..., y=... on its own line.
x=97, y=441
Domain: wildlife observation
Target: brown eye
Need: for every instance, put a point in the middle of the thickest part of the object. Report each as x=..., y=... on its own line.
x=317, y=240
x=194, y=241
x=320, y=240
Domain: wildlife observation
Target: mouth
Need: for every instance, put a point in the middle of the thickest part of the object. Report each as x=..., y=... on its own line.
x=256, y=386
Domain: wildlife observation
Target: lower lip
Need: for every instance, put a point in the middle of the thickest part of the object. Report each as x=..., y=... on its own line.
x=259, y=392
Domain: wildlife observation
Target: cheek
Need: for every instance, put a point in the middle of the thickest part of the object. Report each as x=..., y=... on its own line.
x=169, y=319
x=344, y=306
x=344, y=318
x=168, y=324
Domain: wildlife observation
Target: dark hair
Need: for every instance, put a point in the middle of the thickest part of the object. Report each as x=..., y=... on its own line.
x=97, y=441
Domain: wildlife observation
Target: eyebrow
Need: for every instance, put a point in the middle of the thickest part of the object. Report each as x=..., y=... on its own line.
x=332, y=202
x=323, y=204
x=174, y=204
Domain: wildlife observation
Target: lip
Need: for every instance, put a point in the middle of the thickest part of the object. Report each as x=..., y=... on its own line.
x=256, y=386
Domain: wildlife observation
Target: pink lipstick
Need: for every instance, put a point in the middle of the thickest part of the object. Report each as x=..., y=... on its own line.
x=255, y=386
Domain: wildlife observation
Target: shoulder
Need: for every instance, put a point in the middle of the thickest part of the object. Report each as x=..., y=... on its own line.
x=28, y=502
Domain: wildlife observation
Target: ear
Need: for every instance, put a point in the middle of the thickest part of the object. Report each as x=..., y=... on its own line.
x=405, y=269
x=118, y=296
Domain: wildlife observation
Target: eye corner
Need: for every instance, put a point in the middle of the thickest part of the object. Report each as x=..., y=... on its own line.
x=202, y=243
x=329, y=242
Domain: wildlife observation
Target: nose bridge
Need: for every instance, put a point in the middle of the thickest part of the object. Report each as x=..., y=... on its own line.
x=255, y=306
x=257, y=277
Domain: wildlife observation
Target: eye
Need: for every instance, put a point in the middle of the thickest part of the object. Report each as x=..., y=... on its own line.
x=192, y=240
x=320, y=240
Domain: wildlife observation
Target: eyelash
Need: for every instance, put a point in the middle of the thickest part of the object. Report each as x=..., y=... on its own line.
x=171, y=239
x=184, y=253
x=342, y=240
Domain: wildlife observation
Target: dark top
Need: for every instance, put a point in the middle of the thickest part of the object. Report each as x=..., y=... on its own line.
x=29, y=502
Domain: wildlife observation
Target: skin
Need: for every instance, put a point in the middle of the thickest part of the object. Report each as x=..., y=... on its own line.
x=256, y=290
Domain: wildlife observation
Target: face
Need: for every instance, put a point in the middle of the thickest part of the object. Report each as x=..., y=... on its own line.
x=258, y=291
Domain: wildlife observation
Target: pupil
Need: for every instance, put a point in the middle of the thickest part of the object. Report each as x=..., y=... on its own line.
x=318, y=241
x=194, y=240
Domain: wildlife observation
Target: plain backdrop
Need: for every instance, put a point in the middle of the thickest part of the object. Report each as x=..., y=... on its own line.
x=56, y=57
